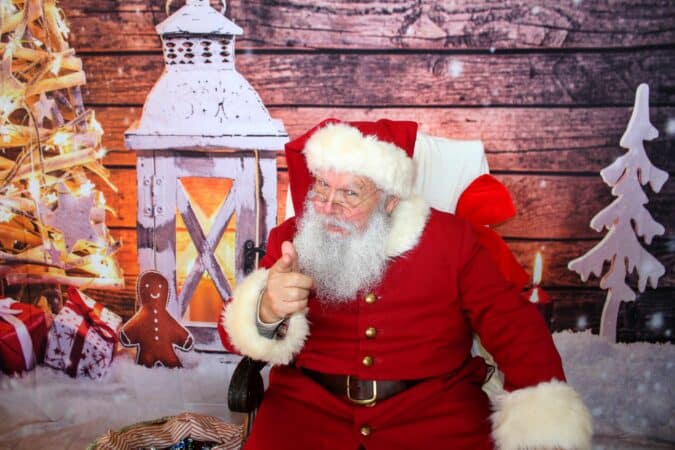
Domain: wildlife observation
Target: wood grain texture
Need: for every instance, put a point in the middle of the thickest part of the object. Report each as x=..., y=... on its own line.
x=570, y=140
x=549, y=206
x=561, y=207
x=384, y=79
x=555, y=254
x=650, y=318
x=110, y=25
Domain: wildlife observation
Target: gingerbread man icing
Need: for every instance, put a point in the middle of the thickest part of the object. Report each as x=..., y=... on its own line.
x=152, y=330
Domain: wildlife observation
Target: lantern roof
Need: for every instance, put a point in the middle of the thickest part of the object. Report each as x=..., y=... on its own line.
x=201, y=101
x=198, y=17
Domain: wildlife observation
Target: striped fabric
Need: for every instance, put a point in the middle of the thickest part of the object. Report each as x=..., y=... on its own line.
x=167, y=431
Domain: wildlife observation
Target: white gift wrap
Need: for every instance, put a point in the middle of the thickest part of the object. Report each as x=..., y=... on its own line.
x=97, y=346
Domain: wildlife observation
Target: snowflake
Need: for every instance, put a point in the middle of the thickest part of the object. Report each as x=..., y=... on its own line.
x=670, y=126
x=455, y=68
x=58, y=351
x=90, y=369
x=582, y=323
x=70, y=334
x=656, y=321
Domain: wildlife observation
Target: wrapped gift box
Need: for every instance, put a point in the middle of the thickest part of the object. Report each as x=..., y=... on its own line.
x=23, y=333
x=82, y=339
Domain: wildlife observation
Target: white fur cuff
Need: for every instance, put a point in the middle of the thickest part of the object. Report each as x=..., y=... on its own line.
x=239, y=319
x=549, y=415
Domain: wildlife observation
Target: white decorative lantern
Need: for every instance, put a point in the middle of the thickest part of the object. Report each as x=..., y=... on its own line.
x=203, y=121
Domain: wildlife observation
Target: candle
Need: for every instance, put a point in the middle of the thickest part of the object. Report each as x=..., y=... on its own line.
x=537, y=294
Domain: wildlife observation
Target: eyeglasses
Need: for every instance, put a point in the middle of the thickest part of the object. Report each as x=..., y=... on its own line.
x=346, y=199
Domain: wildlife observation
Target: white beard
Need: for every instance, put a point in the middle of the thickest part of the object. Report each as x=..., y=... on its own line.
x=342, y=265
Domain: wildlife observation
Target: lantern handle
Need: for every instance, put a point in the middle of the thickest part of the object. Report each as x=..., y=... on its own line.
x=167, y=6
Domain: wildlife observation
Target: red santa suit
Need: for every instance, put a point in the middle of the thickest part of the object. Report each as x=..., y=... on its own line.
x=441, y=286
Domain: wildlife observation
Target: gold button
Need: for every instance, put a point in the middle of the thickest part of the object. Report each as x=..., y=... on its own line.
x=365, y=430
x=371, y=332
x=370, y=298
x=367, y=361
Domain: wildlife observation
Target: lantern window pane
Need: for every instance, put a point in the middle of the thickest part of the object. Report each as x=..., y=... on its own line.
x=206, y=197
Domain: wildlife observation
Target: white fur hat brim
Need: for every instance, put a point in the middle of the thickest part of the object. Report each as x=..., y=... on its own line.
x=342, y=148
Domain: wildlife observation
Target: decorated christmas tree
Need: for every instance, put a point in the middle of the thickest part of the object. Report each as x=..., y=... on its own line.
x=626, y=219
x=52, y=216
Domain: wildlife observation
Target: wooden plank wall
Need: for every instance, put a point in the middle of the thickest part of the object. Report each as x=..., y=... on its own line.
x=547, y=85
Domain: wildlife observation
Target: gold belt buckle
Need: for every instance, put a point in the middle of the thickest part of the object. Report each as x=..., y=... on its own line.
x=365, y=402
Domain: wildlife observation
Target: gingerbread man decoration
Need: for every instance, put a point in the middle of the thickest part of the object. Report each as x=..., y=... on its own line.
x=152, y=330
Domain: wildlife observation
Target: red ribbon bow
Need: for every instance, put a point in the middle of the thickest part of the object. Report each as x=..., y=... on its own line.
x=91, y=319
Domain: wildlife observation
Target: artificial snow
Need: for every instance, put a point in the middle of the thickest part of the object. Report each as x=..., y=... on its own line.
x=628, y=388
x=47, y=409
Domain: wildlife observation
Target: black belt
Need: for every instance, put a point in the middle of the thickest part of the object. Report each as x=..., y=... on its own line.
x=355, y=390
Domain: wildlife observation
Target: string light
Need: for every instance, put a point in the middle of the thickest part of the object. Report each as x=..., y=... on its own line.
x=95, y=126
x=101, y=153
x=86, y=188
x=100, y=265
x=63, y=140
x=34, y=187
x=62, y=26
x=6, y=214
x=56, y=63
x=51, y=198
x=12, y=44
x=10, y=99
x=47, y=182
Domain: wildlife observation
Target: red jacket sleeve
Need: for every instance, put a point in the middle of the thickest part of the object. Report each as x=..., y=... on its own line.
x=510, y=327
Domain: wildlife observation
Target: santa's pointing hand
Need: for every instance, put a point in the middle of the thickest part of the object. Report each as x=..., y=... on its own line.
x=287, y=289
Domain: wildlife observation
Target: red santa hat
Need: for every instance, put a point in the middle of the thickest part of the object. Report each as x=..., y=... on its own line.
x=381, y=151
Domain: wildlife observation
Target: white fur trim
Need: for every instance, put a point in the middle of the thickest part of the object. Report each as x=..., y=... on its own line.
x=239, y=319
x=549, y=415
x=408, y=221
x=343, y=148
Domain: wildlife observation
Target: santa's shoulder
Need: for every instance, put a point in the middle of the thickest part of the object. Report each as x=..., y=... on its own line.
x=441, y=221
x=285, y=231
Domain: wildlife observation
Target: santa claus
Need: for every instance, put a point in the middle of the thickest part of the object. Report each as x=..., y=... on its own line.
x=367, y=304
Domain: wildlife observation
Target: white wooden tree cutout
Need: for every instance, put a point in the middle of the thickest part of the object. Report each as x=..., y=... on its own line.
x=625, y=219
